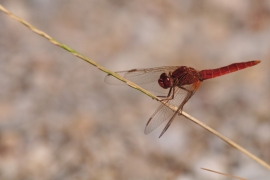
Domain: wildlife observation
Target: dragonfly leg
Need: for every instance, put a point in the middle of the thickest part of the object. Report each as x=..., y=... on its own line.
x=173, y=87
x=167, y=95
x=172, y=90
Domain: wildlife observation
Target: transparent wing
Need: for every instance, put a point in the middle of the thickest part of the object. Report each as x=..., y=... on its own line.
x=146, y=78
x=163, y=113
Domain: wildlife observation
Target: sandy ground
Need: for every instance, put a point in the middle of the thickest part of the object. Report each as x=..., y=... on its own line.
x=59, y=120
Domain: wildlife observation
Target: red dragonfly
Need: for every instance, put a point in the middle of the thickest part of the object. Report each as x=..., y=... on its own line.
x=175, y=85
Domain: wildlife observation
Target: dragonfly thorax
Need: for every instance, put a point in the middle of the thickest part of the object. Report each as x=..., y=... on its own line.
x=165, y=81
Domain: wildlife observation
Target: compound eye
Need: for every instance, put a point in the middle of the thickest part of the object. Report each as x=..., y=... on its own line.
x=164, y=81
x=160, y=82
x=167, y=82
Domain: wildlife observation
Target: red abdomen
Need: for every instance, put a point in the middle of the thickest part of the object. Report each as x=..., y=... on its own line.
x=212, y=73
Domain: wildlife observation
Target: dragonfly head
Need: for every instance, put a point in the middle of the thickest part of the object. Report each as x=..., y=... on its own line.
x=165, y=81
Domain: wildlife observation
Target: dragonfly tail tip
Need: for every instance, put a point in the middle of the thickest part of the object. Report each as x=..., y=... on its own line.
x=257, y=61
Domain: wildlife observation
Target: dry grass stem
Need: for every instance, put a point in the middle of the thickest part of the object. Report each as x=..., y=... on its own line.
x=228, y=175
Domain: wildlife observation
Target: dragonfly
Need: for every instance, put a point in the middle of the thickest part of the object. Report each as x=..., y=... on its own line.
x=175, y=85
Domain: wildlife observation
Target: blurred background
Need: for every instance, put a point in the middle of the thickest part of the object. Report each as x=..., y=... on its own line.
x=59, y=120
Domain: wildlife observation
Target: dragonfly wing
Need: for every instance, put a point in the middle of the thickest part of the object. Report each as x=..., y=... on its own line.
x=146, y=78
x=164, y=113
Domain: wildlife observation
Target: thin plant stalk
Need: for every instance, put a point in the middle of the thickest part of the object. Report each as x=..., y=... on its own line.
x=228, y=175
